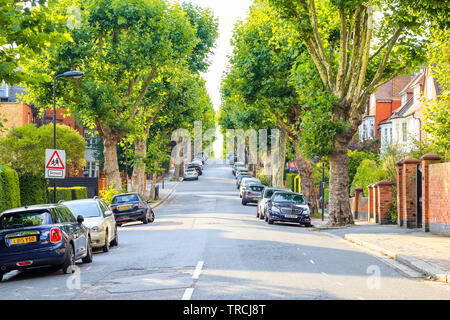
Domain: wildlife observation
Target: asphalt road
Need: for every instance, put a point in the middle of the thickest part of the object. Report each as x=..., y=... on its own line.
x=205, y=245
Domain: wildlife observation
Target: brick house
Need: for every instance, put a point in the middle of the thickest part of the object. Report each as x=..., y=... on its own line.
x=380, y=107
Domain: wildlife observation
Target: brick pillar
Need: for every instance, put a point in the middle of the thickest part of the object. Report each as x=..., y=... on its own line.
x=375, y=205
x=384, y=189
x=399, y=168
x=371, y=203
x=355, y=209
x=427, y=159
x=409, y=190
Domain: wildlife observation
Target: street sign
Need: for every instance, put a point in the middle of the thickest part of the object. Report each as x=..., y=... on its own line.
x=55, y=164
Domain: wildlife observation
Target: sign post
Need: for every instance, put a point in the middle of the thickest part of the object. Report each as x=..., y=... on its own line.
x=55, y=166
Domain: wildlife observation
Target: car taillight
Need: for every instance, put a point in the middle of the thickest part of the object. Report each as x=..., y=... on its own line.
x=249, y=192
x=55, y=235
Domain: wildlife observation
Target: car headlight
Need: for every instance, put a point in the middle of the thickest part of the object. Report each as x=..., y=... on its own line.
x=95, y=229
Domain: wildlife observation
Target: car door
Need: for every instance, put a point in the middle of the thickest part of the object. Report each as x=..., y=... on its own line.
x=78, y=232
x=108, y=219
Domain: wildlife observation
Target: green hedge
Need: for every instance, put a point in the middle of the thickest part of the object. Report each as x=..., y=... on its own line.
x=290, y=182
x=9, y=189
x=67, y=194
x=33, y=189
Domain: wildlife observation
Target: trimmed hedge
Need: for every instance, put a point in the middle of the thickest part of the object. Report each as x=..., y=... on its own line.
x=33, y=189
x=9, y=189
x=290, y=182
x=67, y=194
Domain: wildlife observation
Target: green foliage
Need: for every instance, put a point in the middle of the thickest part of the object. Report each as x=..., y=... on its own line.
x=78, y=193
x=33, y=188
x=61, y=194
x=108, y=193
x=354, y=160
x=23, y=148
x=291, y=182
x=9, y=188
x=368, y=172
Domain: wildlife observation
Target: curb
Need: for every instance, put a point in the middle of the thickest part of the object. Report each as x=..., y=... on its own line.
x=416, y=264
x=160, y=202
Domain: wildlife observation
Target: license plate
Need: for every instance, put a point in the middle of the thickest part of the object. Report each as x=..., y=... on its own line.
x=124, y=207
x=23, y=240
x=291, y=216
x=255, y=199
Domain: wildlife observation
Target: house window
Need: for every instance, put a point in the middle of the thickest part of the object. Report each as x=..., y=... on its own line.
x=372, y=130
x=390, y=134
x=91, y=169
x=405, y=131
x=416, y=94
x=4, y=90
x=404, y=99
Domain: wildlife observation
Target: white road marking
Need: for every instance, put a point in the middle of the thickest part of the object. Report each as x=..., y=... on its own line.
x=198, y=270
x=312, y=262
x=187, y=294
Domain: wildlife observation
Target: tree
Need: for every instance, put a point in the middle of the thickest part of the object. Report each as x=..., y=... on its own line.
x=27, y=27
x=120, y=46
x=437, y=113
x=23, y=148
x=261, y=69
x=339, y=36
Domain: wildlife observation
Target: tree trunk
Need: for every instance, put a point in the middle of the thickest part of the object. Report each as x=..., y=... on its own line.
x=339, y=204
x=278, y=168
x=305, y=171
x=138, y=176
x=111, y=165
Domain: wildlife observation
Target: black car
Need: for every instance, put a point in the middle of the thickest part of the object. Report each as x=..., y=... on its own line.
x=131, y=207
x=287, y=206
x=196, y=167
x=42, y=235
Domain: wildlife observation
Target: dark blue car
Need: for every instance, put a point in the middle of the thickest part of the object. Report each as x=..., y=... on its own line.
x=42, y=235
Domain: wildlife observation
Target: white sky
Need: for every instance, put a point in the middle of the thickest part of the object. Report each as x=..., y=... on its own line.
x=228, y=12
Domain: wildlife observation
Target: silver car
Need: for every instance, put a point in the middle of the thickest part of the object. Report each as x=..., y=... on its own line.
x=252, y=193
x=190, y=174
x=262, y=203
x=99, y=219
x=245, y=183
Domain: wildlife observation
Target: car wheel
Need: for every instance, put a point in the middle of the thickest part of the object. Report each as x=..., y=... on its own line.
x=152, y=217
x=145, y=219
x=307, y=225
x=69, y=262
x=106, y=246
x=257, y=213
x=1, y=276
x=88, y=258
x=269, y=221
x=244, y=202
x=115, y=241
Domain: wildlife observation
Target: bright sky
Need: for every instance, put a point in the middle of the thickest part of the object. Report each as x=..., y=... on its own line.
x=228, y=12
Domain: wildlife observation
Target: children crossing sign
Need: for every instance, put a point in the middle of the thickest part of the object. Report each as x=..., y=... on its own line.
x=55, y=164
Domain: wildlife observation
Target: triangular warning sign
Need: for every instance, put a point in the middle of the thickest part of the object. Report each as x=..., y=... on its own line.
x=55, y=162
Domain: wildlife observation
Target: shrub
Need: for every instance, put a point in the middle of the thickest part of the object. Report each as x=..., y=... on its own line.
x=10, y=189
x=290, y=182
x=61, y=194
x=367, y=173
x=79, y=193
x=354, y=160
x=33, y=189
x=107, y=194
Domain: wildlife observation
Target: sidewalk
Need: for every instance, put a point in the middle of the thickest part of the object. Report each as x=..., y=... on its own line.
x=166, y=192
x=424, y=252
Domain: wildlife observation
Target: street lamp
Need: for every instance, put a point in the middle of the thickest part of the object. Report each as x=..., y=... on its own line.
x=316, y=160
x=69, y=74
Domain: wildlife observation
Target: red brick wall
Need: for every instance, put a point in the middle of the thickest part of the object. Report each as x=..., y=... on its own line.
x=439, y=195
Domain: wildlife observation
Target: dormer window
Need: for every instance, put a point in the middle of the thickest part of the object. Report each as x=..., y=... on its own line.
x=416, y=94
x=404, y=98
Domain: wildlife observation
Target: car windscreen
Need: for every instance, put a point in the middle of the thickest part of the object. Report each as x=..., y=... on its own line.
x=247, y=182
x=289, y=197
x=85, y=209
x=269, y=193
x=24, y=219
x=257, y=188
x=125, y=198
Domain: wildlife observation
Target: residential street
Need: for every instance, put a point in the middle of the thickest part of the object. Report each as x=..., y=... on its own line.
x=204, y=244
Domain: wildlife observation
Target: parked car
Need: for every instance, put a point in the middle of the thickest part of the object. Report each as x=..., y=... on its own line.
x=246, y=182
x=190, y=174
x=288, y=207
x=202, y=155
x=237, y=165
x=42, y=235
x=232, y=157
x=131, y=207
x=99, y=219
x=240, y=171
x=198, y=162
x=196, y=167
x=242, y=176
x=262, y=203
x=252, y=194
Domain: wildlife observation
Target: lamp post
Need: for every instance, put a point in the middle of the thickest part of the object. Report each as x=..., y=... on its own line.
x=323, y=188
x=69, y=74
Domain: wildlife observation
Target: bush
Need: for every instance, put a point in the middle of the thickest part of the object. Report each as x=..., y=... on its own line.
x=33, y=189
x=79, y=193
x=10, y=191
x=61, y=194
x=290, y=182
x=354, y=160
x=108, y=194
x=367, y=173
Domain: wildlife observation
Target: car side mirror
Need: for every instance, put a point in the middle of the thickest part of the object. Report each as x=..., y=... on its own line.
x=108, y=213
x=80, y=219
